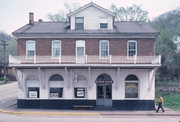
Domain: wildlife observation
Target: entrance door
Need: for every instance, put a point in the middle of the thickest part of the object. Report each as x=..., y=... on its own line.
x=104, y=95
x=80, y=51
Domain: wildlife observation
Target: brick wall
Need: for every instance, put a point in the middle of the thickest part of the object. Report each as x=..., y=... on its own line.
x=116, y=46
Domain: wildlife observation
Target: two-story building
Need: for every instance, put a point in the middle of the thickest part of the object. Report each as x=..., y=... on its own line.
x=91, y=60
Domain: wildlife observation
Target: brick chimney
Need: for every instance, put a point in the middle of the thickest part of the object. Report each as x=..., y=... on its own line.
x=31, y=18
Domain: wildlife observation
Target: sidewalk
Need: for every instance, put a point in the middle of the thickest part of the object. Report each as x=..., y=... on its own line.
x=14, y=110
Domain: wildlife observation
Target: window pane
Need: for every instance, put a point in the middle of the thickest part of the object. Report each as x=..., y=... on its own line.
x=80, y=51
x=30, y=53
x=104, y=49
x=79, y=20
x=33, y=92
x=131, y=49
x=56, y=77
x=56, y=47
x=131, y=90
x=56, y=92
x=79, y=23
x=30, y=48
x=79, y=92
x=103, y=25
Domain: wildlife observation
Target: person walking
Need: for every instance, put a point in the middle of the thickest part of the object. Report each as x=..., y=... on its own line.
x=160, y=102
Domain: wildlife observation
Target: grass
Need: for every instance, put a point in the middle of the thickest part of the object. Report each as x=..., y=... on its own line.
x=171, y=99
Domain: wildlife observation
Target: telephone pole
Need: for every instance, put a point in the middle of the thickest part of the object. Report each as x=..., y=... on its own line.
x=4, y=44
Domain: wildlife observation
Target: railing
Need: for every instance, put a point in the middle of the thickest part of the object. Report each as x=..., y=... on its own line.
x=88, y=59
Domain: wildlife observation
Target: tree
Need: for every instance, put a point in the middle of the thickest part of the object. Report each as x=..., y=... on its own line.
x=169, y=27
x=132, y=13
x=61, y=16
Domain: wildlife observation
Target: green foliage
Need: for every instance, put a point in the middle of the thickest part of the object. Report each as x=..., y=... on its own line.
x=168, y=25
x=171, y=100
x=131, y=13
x=11, y=48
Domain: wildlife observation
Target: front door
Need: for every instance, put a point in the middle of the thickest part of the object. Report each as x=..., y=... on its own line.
x=104, y=95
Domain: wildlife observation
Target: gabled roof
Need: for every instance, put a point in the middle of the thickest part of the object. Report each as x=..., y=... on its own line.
x=94, y=5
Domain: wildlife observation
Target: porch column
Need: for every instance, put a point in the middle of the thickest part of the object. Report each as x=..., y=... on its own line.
x=19, y=76
x=117, y=78
x=41, y=78
x=89, y=78
x=67, y=77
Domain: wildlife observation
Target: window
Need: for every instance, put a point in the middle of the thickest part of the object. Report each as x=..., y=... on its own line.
x=104, y=49
x=131, y=86
x=30, y=49
x=56, y=92
x=33, y=92
x=79, y=92
x=79, y=23
x=132, y=48
x=56, y=77
x=103, y=23
x=56, y=48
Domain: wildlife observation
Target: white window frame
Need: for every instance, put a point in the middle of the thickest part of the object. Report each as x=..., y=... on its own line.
x=131, y=57
x=30, y=41
x=100, y=56
x=81, y=43
x=52, y=47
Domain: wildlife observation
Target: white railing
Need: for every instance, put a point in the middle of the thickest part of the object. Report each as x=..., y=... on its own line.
x=88, y=59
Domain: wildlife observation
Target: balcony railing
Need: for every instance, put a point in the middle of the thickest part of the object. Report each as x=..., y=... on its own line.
x=88, y=59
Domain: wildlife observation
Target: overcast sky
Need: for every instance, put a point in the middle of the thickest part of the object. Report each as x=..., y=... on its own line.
x=14, y=13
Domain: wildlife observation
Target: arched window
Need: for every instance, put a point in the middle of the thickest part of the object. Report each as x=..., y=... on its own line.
x=132, y=48
x=104, y=77
x=131, y=86
x=56, y=87
x=56, y=77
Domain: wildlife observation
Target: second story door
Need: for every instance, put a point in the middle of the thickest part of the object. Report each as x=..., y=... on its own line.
x=80, y=51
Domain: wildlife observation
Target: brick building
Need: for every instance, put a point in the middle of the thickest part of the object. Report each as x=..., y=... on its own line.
x=91, y=60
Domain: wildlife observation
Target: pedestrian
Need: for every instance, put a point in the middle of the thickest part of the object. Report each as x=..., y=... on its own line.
x=160, y=102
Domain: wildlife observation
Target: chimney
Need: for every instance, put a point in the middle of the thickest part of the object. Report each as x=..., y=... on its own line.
x=31, y=18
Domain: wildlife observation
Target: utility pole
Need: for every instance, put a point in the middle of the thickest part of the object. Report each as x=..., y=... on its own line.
x=4, y=44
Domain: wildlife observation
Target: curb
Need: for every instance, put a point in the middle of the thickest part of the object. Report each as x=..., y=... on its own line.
x=143, y=114
x=52, y=113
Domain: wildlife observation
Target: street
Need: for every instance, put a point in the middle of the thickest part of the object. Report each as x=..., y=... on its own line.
x=71, y=118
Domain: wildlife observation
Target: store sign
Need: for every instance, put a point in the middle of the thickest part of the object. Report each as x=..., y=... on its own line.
x=80, y=92
x=33, y=94
x=54, y=95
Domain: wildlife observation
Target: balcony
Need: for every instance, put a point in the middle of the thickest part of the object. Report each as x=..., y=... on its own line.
x=88, y=59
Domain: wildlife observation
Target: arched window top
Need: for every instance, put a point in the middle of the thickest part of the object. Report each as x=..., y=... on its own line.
x=131, y=78
x=104, y=77
x=80, y=43
x=56, y=77
x=56, y=41
x=132, y=41
x=32, y=77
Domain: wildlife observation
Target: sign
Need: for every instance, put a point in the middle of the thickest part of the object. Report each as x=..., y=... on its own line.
x=33, y=94
x=54, y=95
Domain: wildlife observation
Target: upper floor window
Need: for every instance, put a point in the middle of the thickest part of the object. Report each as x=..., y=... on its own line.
x=132, y=48
x=79, y=23
x=30, y=49
x=103, y=23
x=56, y=48
x=104, y=48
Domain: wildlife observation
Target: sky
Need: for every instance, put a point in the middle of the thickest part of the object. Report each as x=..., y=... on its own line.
x=15, y=13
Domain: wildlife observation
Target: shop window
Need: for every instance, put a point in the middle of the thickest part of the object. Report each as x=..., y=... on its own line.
x=131, y=86
x=79, y=92
x=33, y=92
x=56, y=92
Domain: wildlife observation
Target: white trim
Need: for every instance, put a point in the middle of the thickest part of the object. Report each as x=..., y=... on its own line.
x=129, y=57
x=30, y=41
x=100, y=56
x=52, y=45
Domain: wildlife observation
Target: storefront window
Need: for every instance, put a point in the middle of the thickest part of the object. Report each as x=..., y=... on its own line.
x=131, y=86
x=56, y=92
x=33, y=92
x=79, y=92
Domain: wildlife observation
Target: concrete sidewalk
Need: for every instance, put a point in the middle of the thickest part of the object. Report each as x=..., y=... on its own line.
x=14, y=110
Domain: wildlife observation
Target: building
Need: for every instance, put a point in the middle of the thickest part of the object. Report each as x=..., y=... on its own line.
x=91, y=60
